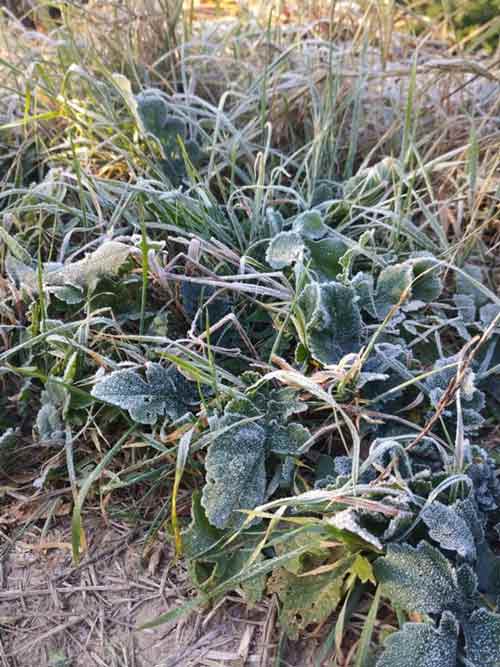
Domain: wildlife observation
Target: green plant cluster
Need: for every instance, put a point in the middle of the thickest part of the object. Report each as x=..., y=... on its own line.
x=310, y=365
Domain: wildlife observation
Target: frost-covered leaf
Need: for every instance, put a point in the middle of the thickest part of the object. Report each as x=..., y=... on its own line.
x=286, y=439
x=195, y=296
x=466, y=307
x=418, y=579
x=236, y=473
x=153, y=113
x=469, y=287
x=488, y=313
x=482, y=634
x=49, y=424
x=200, y=535
x=427, y=285
x=154, y=119
x=333, y=321
x=422, y=645
x=310, y=226
x=49, y=420
x=163, y=392
x=369, y=184
x=392, y=283
x=488, y=570
x=449, y=529
x=284, y=249
x=308, y=599
x=364, y=288
x=8, y=438
x=473, y=400
x=326, y=255
x=68, y=280
x=236, y=459
x=70, y=294
x=107, y=260
x=482, y=472
x=279, y=403
x=387, y=452
x=348, y=521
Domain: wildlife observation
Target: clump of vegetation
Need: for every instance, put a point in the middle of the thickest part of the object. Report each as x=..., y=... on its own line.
x=266, y=252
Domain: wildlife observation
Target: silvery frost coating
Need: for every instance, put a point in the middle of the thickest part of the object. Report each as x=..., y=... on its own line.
x=69, y=280
x=252, y=429
x=421, y=579
x=422, y=645
x=449, y=529
x=333, y=321
x=163, y=392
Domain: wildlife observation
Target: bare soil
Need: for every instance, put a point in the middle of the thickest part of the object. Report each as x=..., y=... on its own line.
x=55, y=614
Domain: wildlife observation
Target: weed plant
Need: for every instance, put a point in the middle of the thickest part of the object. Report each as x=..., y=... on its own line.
x=249, y=273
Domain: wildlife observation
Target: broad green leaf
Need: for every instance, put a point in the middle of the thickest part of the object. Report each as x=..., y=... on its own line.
x=164, y=392
x=482, y=635
x=418, y=579
x=326, y=255
x=333, y=320
x=236, y=473
x=310, y=226
x=449, y=529
x=314, y=555
x=253, y=589
x=200, y=535
x=153, y=114
x=284, y=249
x=392, y=282
x=427, y=285
x=154, y=119
x=363, y=286
x=308, y=599
x=422, y=645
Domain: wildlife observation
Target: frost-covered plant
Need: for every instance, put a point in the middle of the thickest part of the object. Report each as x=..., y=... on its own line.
x=439, y=561
x=171, y=133
x=163, y=392
x=251, y=430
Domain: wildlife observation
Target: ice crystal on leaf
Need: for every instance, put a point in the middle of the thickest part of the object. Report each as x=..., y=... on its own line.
x=422, y=645
x=164, y=392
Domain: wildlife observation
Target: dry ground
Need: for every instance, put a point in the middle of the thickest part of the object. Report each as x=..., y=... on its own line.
x=56, y=614
x=52, y=613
